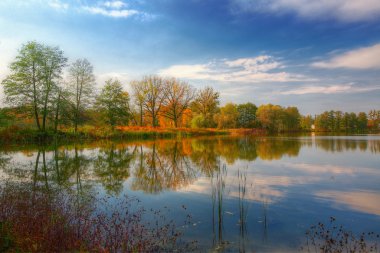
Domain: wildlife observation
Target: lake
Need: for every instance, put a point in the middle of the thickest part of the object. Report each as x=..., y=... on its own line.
x=243, y=193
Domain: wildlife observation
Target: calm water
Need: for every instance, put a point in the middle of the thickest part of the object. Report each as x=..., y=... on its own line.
x=252, y=194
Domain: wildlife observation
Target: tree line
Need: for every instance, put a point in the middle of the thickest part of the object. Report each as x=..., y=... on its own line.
x=37, y=87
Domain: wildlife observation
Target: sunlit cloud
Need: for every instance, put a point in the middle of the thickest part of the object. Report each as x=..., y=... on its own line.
x=332, y=89
x=362, y=201
x=331, y=169
x=362, y=58
x=262, y=188
x=263, y=68
x=342, y=10
x=124, y=78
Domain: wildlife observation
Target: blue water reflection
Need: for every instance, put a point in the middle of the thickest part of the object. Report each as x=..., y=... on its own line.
x=244, y=193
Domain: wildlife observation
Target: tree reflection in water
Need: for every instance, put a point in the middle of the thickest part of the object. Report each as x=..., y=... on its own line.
x=112, y=167
x=156, y=166
x=163, y=166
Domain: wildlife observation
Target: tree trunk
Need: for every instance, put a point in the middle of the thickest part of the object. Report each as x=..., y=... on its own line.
x=35, y=102
x=57, y=113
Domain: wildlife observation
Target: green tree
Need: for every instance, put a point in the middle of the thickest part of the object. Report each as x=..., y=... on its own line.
x=362, y=121
x=113, y=103
x=246, y=115
x=206, y=104
x=154, y=91
x=4, y=117
x=306, y=122
x=81, y=87
x=292, y=118
x=140, y=90
x=34, y=77
x=228, y=116
x=271, y=117
x=62, y=109
x=322, y=122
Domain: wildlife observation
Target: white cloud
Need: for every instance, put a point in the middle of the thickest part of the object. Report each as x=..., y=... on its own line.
x=115, y=4
x=342, y=10
x=110, y=13
x=362, y=58
x=115, y=9
x=58, y=5
x=363, y=201
x=247, y=70
x=332, y=89
x=124, y=78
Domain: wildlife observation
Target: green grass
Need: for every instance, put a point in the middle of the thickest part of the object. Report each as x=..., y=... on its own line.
x=15, y=134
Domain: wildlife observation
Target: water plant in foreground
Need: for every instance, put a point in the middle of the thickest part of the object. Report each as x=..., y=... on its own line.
x=335, y=238
x=40, y=221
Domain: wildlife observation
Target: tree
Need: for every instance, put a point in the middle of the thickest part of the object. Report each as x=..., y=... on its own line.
x=292, y=118
x=4, y=117
x=113, y=103
x=154, y=89
x=34, y=76
x=228, y=116
x=374, y=119
x=140, y=95
x=362, y=121
x=53, y=63
x=306, y=122
x=206, y=104
x=62, y=110
x=246, y=115
x=271, y=117
x=81, y=86
x=178, y=96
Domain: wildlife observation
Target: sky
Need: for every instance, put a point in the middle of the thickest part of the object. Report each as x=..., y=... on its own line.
x=314, y=54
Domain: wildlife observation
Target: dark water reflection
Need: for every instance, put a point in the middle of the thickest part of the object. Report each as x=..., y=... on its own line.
x=244, y=193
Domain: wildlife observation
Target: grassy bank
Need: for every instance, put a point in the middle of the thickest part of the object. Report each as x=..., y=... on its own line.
x=27, y=135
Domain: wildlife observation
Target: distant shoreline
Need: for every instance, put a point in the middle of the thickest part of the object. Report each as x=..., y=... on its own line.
x=19, y=135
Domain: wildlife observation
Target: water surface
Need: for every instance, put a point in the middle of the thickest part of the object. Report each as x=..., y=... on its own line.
x=247, y=194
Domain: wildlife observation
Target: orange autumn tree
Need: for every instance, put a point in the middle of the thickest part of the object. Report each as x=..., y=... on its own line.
x=178, y=96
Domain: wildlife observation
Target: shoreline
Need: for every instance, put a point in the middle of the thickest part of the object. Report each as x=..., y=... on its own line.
x=14, y=135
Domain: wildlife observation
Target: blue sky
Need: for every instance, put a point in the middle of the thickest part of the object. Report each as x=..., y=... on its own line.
x=313, y=54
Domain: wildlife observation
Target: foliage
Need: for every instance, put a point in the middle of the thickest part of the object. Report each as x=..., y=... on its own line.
x=206, y=104
x=35, y=90
x=154, y=90
x=34, y=78
x=374, y=119
x=247, y=115
x=278, y=119
x=113, y=103
x=5, y=118
x=178, y=96
x=81, y=87
x=228, y=116
x=306, y=122
x=139, y=95
x=336, y=121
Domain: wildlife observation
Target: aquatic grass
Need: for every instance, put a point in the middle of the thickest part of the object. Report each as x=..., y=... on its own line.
x=46, y=221
x=335, y=238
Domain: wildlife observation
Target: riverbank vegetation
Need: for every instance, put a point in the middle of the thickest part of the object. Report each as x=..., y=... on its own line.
x=35, y=219
x=47, y=97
